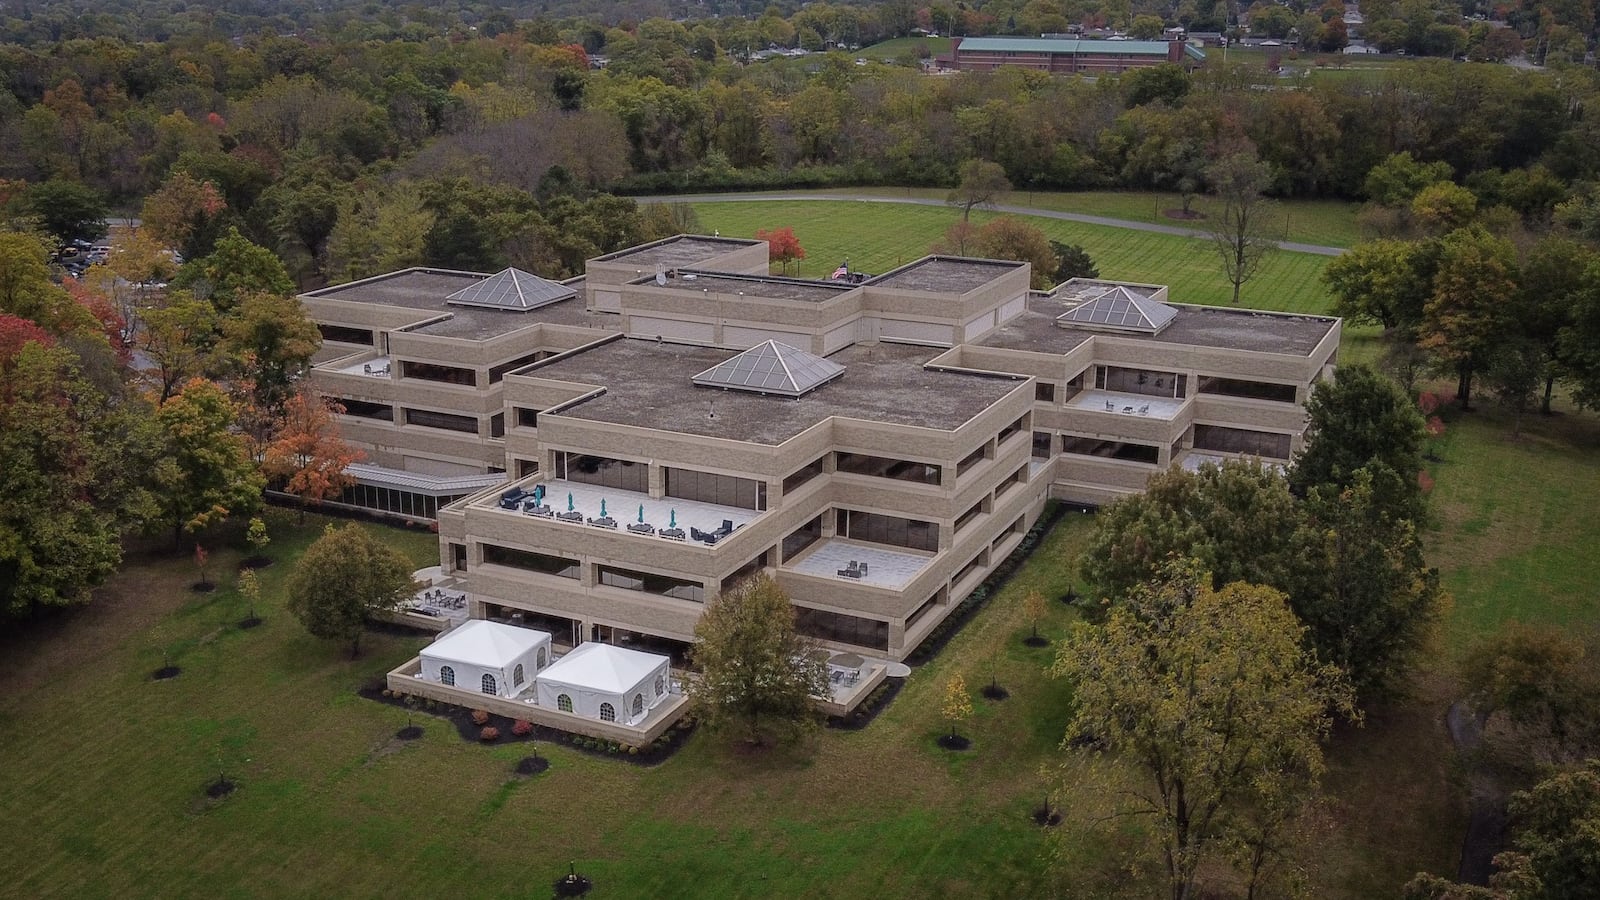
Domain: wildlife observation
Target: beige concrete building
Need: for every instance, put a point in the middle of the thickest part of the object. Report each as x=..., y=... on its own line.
x=678, y=420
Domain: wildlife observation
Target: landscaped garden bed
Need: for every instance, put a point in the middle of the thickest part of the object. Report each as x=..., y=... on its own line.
x=480, y=727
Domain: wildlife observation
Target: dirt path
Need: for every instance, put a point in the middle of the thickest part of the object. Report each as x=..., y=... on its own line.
x=1176, y=230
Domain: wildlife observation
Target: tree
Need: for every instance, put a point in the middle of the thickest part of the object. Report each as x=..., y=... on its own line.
x=960, y=239
x=1034, y=606
x=957, y=705
x=1011, y=238
x=1239, y=224
x=234, y=268
x=258, y=538
x=1360, y=583
x=1210, y=694
x=1361, y=420
x=1465, y=317
x=1146, y=28
x=982, y=184
x=250, y=590
x=1536, y=676
x=378, y=231
x=177, y=339
x=270, y=340
x=1580, y=340
x=783, y=246
x=1073, y=262
x=344, y=577
x=1552, y=279
x=307, y=455
x=1515, y=372
x=65, y=455
x=758, y=676
x=1238, y=519
x=204, y=473
x=67, y=209
x=1383, y=282
x=183, y=214
x=1397, y=180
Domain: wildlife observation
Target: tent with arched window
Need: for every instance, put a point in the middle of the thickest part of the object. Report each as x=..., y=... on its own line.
x=612, y=684
x=487, y=657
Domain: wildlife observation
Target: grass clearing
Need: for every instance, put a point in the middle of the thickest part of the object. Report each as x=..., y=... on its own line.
x=894, y=48
x=877, y=237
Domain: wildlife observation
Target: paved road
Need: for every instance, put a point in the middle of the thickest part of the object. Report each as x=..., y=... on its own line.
x=1178, y=230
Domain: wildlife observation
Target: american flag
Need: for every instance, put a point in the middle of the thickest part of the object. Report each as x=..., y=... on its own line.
x=842, y=271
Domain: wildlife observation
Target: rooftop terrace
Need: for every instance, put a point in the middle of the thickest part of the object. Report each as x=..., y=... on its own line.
x=945, y=274
x=649, y=385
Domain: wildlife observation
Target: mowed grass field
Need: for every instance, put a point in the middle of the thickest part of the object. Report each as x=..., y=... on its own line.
x=104, y=769
x=876, y=237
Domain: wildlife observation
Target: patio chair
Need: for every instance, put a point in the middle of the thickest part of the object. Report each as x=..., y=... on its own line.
x=851, y=678
x=1144, y=410
x=863, y=569
x=1111, y=406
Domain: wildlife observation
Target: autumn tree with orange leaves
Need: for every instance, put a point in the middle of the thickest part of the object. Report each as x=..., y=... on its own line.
x=307, y=455
x=784, y=246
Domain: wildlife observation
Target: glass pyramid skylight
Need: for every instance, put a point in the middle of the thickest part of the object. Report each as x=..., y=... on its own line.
x=1119, y=309
x=513, y=290
x=771, y=368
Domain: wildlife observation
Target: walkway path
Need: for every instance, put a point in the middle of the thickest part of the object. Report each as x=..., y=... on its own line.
x=1177, y=230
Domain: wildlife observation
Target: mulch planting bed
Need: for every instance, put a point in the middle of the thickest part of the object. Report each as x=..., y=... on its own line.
x=249, y=622
x=1036, y=641
x=1045, y=817
x=954, y=742
x=505, y=731
x=876, y=702
x=165, y=672
x=220, y=788
x=409, y=733
x=203, y=587
x=255, y=562
x=531, y=765
x=995, y=692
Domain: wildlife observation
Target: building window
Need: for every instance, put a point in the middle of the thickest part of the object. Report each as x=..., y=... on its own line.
x=539, y=662
x=970, y=460
x=346, y=335
x=747, y=570
x=564, y=703
x=922, y=610
x=488, y=684
x=966, y=518
x=621, y=474
x=1242, y=441
x=447, y=675
x=1009, y=430
x=804, y=474
x=526, y=467
x=1149, y=382
x=527, y=418
x=884, y=467
x=517, y=676
x=608, y=713
x=458, y=557
x=498, y=373
x=431, y=372
x=652, y=583
x=832, y=626
x=892, y=530
x=1044, y=392
x=723, y=490
x=1249, y=390
x=661, y=685
x=802, y=537
x=497, y=425
x=968, y=569
x=1087, y=446
x=427, y=418
x=1042, y=441
x=638, y=704
x=363, y=409
x=558, y=566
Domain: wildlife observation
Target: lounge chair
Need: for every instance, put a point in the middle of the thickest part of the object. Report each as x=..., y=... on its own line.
x=1144, y=410
x=1111, y=406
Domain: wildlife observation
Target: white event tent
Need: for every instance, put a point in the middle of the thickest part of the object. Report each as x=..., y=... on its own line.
x=487, y=656
x=612, y=684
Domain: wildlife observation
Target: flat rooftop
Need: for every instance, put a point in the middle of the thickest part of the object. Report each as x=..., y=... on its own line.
x=771, y=288
x=886, y=567
x=649, y=385
x=683, y=250
x=1201, y=326
x=945, y=274
x=425, y=290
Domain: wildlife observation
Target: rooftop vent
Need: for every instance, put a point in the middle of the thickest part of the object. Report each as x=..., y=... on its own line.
x=513, y=290
x=1118, y=309
x=771, y=368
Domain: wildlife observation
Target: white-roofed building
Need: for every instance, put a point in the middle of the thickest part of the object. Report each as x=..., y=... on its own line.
x=500, y=660
x=601, y=681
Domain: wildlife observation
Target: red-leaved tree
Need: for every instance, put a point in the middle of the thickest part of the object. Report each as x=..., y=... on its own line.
x=307, y=454
x=784, y=247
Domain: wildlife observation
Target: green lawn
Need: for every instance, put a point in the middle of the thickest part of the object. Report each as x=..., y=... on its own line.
x=896, y=47
x=1331, y=223
x=876, y=237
